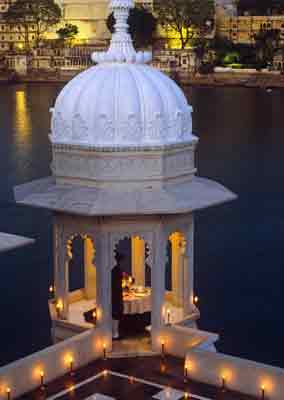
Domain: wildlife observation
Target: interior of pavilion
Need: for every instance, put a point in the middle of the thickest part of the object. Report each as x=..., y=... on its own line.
x=132, y=256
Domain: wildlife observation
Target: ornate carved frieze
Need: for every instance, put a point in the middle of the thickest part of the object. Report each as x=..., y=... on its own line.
x=100, y=168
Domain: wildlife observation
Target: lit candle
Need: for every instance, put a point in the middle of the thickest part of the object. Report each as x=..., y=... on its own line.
x=59, y=307
x=8, y=392
x=185, y=372
x=195, y=299
x=262, y=392
x=94, y=315
x=186, y=395
x=223, y=383
x=169, y=315
x=163, y=347
x=51, y=290
x=41, y=374
x=105, y=373
x=104, y=351
x=71, y=365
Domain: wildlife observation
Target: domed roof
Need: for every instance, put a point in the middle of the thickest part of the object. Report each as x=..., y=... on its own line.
x=121, y=101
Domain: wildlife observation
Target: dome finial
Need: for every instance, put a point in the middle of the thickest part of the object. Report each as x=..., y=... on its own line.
x=121, y=46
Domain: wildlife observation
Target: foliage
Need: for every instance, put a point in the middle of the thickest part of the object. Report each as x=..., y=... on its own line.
x=68, y=32
x=42, y=14
x=231, y=58
x=227, y=52
x=266, y=45
x=188, y=18
x=201, y=47
x=142, y=26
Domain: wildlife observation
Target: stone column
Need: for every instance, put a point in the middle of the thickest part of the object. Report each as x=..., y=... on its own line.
x=189, y=270
x=90, y=269
x=177, y=269
x=138, y=260
x=61, y=261
x=158, y=284
x=103, y=253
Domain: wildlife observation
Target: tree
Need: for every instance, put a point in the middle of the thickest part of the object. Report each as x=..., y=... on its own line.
x=42, y=14
x=142, y=26
x=68, y=32
x=189, y=18
x=266, y=45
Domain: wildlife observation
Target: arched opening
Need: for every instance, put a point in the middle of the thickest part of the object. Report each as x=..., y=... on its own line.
x=76, y=270
x=176, y=269
x=81, y=281
x=132, y=257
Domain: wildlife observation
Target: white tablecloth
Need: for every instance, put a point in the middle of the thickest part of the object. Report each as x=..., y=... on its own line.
x=137, y=305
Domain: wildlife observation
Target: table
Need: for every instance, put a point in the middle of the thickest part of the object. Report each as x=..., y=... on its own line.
x=134, y=303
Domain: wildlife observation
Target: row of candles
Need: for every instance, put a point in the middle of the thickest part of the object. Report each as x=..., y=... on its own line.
x=223, y=381
x=223, y=377
x=70, y=363
x=59, y=308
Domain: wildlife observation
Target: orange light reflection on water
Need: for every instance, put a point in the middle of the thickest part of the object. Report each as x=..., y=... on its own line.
x=22, y=118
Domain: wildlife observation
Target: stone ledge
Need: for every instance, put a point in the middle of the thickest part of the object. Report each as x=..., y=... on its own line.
x=179, y=198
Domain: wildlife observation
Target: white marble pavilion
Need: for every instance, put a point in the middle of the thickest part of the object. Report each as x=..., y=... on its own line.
x=123, y=167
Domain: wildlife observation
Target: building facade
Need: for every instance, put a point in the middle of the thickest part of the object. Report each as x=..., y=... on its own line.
x=12, y=36
x=242, y=29
x=90, y=17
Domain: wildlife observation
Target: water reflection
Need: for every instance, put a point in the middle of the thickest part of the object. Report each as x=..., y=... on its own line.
x=22, y=117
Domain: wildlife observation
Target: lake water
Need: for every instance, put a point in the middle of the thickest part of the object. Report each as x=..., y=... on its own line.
x=239, y=263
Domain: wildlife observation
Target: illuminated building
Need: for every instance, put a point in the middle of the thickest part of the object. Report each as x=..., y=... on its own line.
x=243, y=28
x=90, y=17
x=12, y=36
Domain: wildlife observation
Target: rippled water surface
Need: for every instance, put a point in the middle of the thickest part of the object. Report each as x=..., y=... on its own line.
x=239, y=267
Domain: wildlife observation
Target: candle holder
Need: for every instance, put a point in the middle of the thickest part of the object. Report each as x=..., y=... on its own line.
x=104, y=352
x=51, y=292
x=71, y=366
x=185, y=373
x=223, y=384
x=163, y=348
x=168, y=317
x=94, y=317
x=262, y=393
x=59, y=308
x=42, y=385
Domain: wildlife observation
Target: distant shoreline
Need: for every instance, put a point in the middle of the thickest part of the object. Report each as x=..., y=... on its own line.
x=226, y=79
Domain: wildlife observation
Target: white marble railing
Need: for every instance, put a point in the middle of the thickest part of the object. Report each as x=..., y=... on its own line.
x=24, y=375
x=244, y=376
